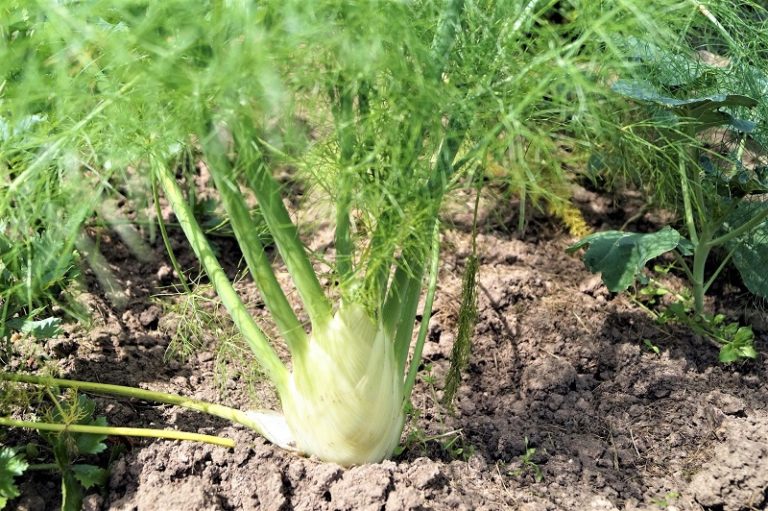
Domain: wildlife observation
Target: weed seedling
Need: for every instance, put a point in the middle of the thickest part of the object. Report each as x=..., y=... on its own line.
x=69, y=451
x=527, y=465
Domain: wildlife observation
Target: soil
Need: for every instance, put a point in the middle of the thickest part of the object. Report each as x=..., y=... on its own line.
x=574, y=399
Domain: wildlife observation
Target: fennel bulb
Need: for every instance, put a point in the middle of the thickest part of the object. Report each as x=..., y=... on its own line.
x=344, y=399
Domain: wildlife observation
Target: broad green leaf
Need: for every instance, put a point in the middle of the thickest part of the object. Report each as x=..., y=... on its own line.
x=12, y=465
x=91, y=443
x=89, y=475
x=43, y=328
x=691, y=107
x=621, y=256
x=750, y=251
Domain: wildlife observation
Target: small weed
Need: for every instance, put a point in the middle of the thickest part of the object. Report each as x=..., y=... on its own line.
x=452, y=443
x=528, y=465
x=195, y=320
x=667, y=500
x=192, y=321
x=735, y=341
x=69, y=451
x=651, y=346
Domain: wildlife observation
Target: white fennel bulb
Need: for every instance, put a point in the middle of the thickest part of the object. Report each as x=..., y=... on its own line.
x=344, y=400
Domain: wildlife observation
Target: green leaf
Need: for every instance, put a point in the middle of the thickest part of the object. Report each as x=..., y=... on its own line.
x=621, y=256
x=704, y=110
x=43, y=328
x=645, y=92
x=89, y=475
x=740, y=346
x=750, y=251
x=12, y=465
x=84, y=443
x=89, y=443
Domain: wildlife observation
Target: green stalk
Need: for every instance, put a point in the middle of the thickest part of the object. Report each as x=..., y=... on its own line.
x=688, y=209
x=286, y=237
x=390, y=312
x=274, y=368
x=343, y=239
x=378, y=273
x=253, y=251
x=343, y=118
x=740, y=230
x=117, y=431
x=408, y=308
x=426, y=314
x=442, y=44
x=700, y=255
x=166, y=240
x=413, y=260
x=224, y=412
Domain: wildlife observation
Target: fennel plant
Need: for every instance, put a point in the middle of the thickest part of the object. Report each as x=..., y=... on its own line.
x=385, y=106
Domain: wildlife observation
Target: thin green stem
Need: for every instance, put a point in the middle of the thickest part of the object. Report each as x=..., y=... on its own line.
x=118, y=431
x=425, y=315
x=224, y=412
x=343, y=239
x=274, y=368
x=717, y=271
x=253, y=251
x=740, y=230
x=43, y=466
x=683, y=264
x=286, y=237
x=166, y=239
x=688, y=209
x=343, y=116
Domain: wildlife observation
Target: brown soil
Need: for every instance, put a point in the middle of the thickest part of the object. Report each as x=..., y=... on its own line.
x=559, y=370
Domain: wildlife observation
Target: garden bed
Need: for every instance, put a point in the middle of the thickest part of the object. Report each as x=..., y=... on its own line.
x=565, y=404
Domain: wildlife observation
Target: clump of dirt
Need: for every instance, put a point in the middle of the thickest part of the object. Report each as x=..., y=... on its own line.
x=564, y=406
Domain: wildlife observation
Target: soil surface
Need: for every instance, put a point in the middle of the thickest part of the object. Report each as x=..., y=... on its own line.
x=575, y=399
